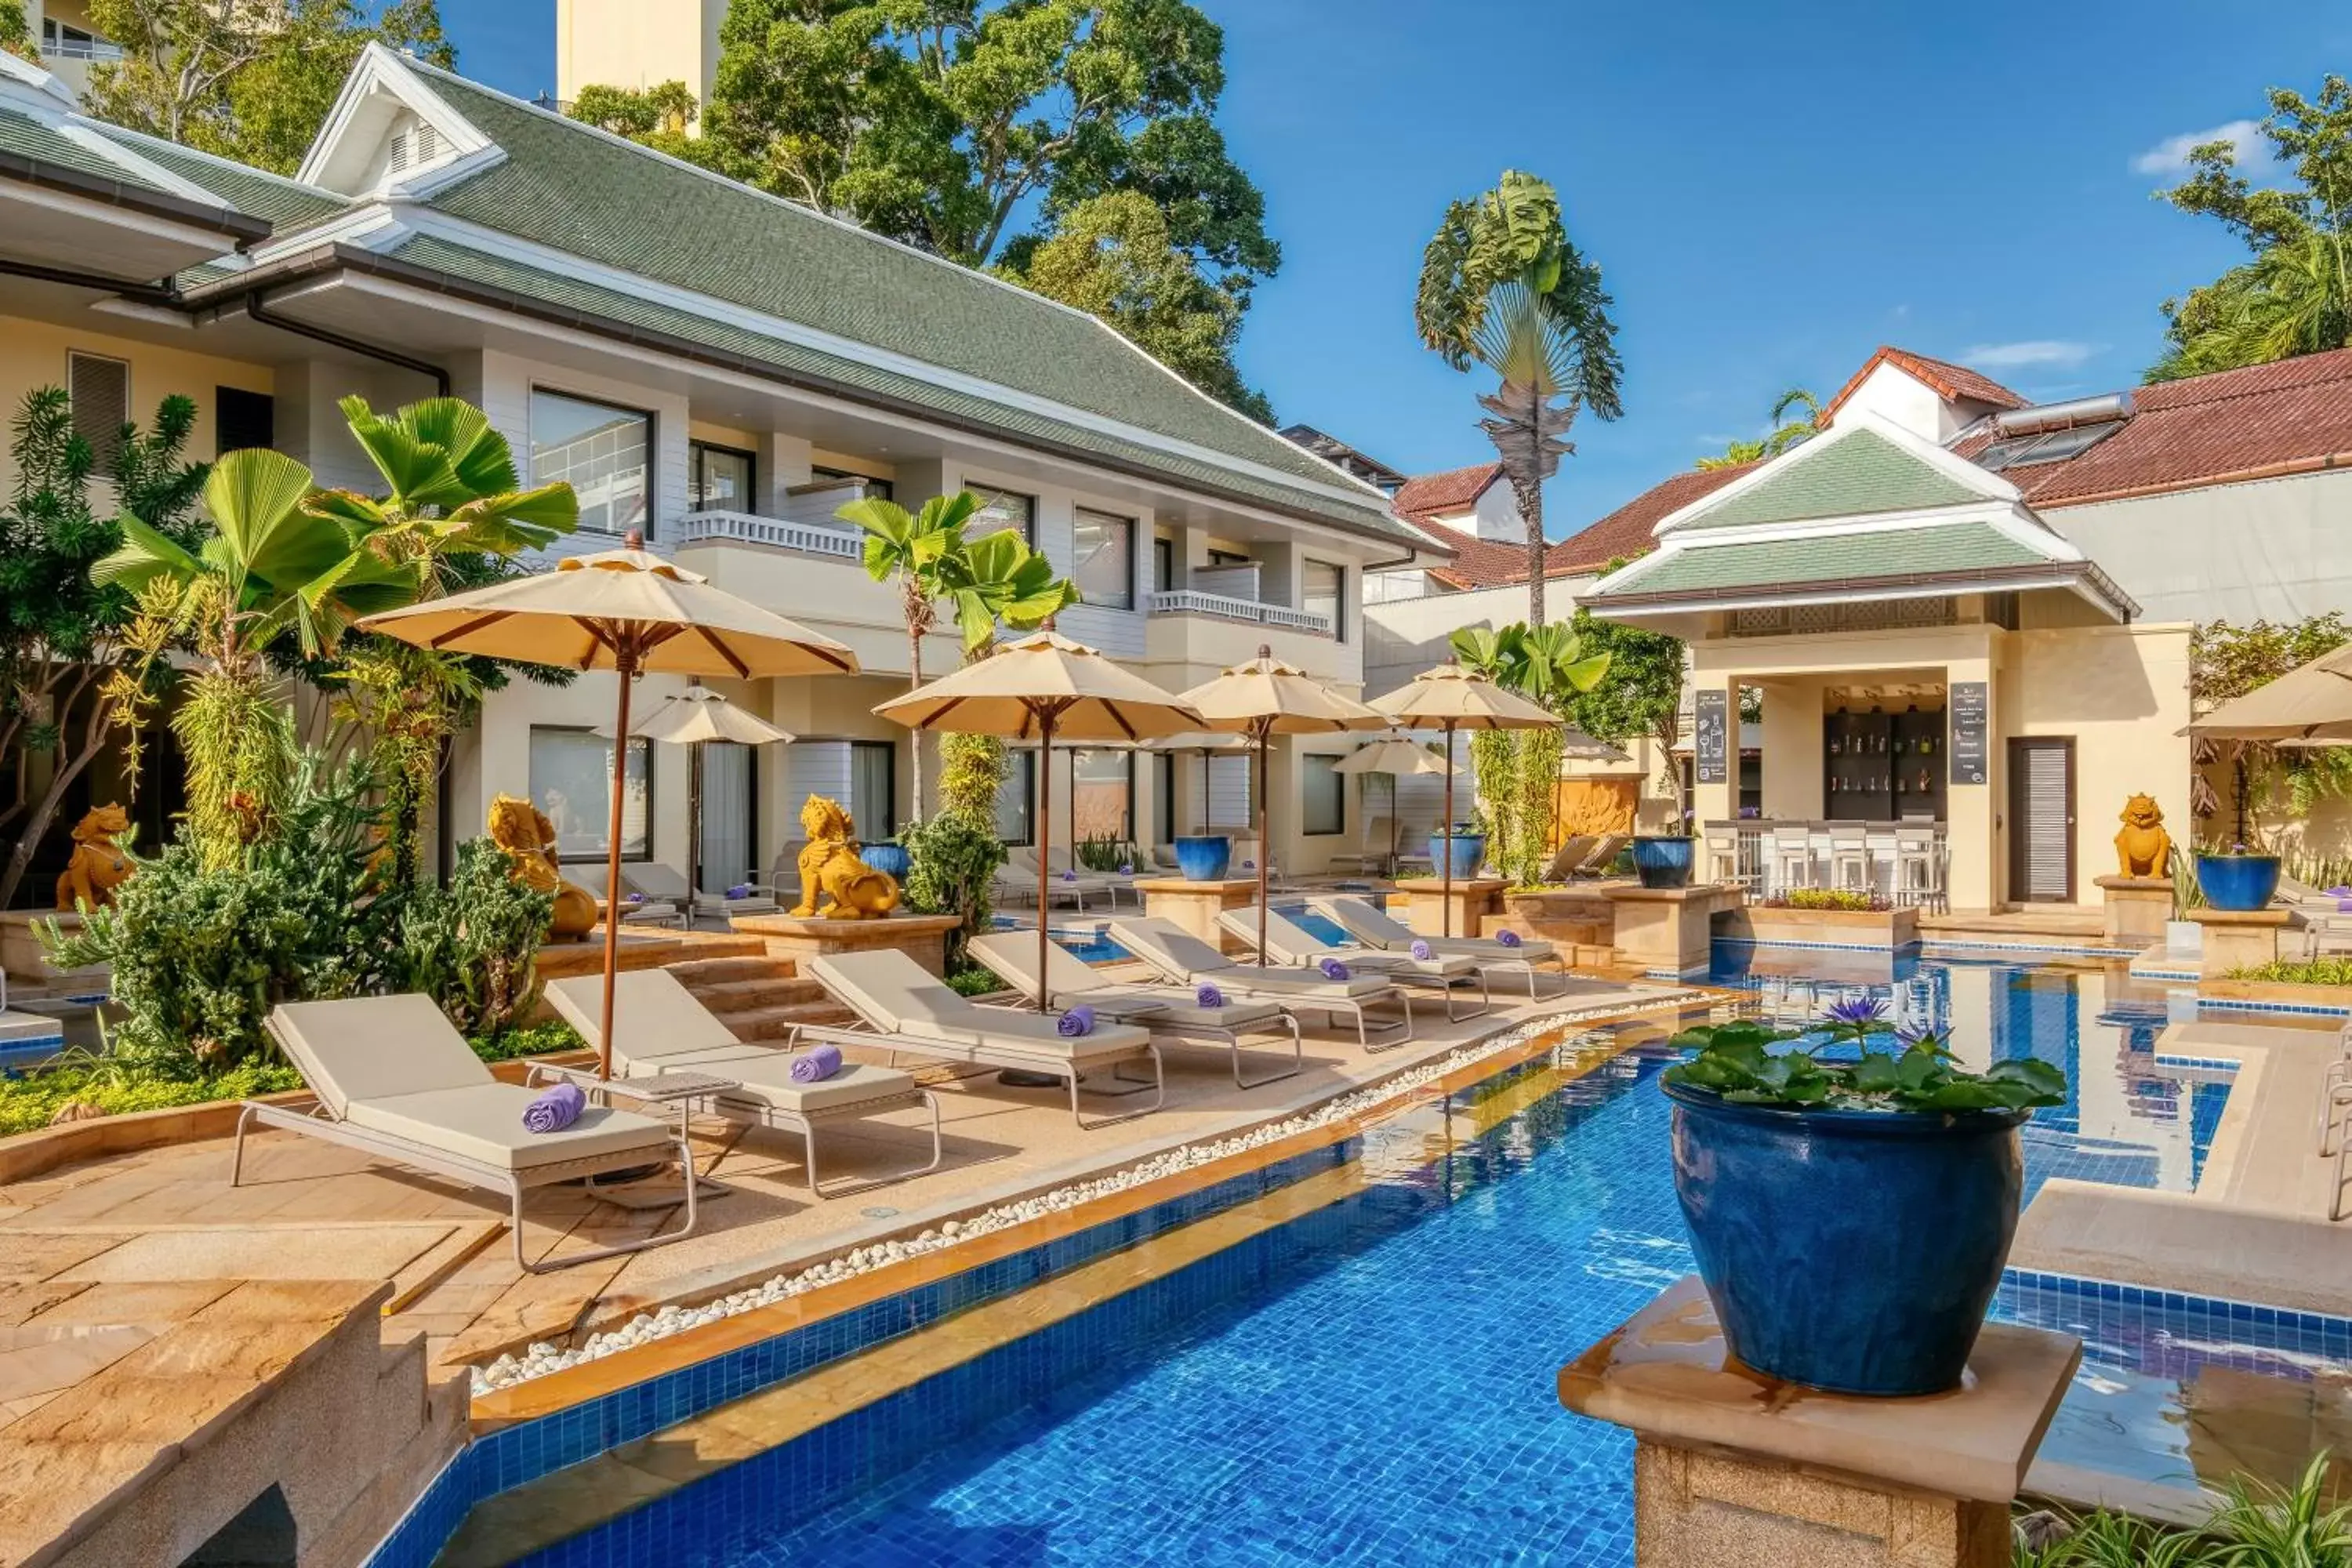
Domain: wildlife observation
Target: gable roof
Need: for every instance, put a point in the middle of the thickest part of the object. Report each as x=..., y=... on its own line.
x=1629, y=531
x=1445, y=493
x=1952, y=383
x=280, y=202
x=1848, y=472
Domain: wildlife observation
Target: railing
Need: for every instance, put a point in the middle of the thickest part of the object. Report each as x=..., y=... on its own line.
x=743, y=528
x=1187, y=601
x=81, y=50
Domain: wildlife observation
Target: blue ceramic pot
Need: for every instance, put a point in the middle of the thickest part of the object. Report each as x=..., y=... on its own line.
x=2238, y=881
x=1851, y=1250
x=1204, y=859
x=889, y=859
x=1662, y=862
x=1468, y=850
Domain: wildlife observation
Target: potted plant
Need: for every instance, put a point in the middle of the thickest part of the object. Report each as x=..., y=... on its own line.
x=1466, y=846
x=1204, y=856
x=1663, y=860
x=2237, y=880
x=1851, y=1207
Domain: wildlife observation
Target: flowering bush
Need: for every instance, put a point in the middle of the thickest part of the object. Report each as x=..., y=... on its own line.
x=1827, y=899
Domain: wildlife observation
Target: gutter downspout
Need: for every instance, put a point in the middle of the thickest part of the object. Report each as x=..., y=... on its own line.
x=256, y=309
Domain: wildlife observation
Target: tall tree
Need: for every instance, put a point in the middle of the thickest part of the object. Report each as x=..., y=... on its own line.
x=2294, y=296
x=662, y=117
x=1502, y=287
x=248, y=79
x=1785, y=432
x=1640, y=695
x=17, y=33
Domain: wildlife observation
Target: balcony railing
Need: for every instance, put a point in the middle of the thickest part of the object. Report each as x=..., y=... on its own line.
x=743, y=528
x=1188, y=601
x=80, y=49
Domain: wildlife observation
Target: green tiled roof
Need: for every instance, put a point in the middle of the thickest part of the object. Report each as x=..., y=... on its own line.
x=566, y=186
x=29, y=138
x=1858, y=473
x=566, y=293
x=1830, y=558
x=284, y=204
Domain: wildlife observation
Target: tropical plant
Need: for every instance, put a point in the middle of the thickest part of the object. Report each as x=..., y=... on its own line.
x=1502, y=287
x=2226, y=662
x=1640, y=696
x=1739, y=1061
x=1517, y=770
x=472, y=946
x=1786, y=433
x=951, y=861
x=62, y=637
x=2259, y=1525
x=1106, y=852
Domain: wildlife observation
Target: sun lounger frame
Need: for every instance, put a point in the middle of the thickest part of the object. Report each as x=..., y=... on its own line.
x=1292, y=1002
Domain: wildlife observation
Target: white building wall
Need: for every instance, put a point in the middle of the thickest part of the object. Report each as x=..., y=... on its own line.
x=2275, y=550
x=1896, y=394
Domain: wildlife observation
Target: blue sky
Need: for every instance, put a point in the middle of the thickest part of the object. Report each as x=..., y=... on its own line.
x=1772, y=190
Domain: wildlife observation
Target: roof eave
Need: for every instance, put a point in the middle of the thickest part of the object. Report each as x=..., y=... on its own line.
x=2081, y=577
x=242, y=228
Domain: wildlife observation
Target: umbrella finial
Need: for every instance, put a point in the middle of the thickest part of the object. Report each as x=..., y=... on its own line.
x=633, y=540
x=1266, y=650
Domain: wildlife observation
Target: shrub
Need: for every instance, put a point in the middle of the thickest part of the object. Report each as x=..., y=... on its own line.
x=540, y=1039
x=1105, y=853
x=471, y=946
x=32, y=1100
x=1827, y=898
x=951, y=864
x=2301, y=972
x=974, y=980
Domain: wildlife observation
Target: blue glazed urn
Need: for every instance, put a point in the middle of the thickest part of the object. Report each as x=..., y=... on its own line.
x=891, y=860
x=1662, y=861
x=1856, y=1251
x=1204, y=859
x=1467, y=851
x=2238, y=881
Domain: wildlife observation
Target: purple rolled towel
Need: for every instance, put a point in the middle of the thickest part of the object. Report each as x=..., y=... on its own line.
x=1420, y=950
x=1507, y=937
x=1209, y=995
x=2339, y=893
x=1249, y=864
x=1333, y=969
x=556, y=1110
x=816, y=1065
x=740, y=891
x=1127, y=867
x=1069, y=876
x=1079, y=1020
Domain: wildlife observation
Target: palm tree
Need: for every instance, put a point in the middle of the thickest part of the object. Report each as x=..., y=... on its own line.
x=2294, y=299
x=1502, y=288
x=1786, y=432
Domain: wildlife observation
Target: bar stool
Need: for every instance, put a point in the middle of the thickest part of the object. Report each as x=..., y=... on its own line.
x=1792, y=859
x=1849, y=857
x=1723, y=855
x=1918, y=869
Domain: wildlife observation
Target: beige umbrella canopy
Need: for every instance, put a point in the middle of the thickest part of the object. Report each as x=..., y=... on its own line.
x=690, y=718
x=2310, y=703
x=631, y=612
x=1451, y=697
x=1397, y=756
x=1040, y=687
x=1265, y=698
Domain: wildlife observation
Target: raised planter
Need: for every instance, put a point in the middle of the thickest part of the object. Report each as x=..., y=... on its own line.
x=1887, y=928
x=1663, y=860
x=2238, y=882
x=1467, y=851
x=1205, y=858
x=1849, y=1250
x=2281, y=993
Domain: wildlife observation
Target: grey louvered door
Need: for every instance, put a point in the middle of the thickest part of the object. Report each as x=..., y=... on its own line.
x=2042, y=820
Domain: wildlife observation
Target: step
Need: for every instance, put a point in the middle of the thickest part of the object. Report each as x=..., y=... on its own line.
x=775, y=1023
x=731, y=997
x=696, y=973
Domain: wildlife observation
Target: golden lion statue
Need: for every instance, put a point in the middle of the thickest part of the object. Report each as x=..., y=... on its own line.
x=2143, y=846
x=522, y=830
x=831, y=871
x=99, y=865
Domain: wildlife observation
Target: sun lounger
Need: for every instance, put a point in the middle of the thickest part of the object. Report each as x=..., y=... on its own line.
x=1162, y=1009
x=1112, y=883
x=393, y=1080
x=659, y=1026
x=655, y=880
x=1376, y=927
x=1021, y=867
x=1604, y=855
x=1573, y=851
x=1289, y=942
x=1186, y=959
x=904, y=1007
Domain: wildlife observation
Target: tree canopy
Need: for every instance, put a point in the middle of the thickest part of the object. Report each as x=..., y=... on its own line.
x=1786, y=433
x=2295, y=295
x=250, y=81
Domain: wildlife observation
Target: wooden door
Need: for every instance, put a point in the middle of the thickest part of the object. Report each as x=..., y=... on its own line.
x=2042, y=819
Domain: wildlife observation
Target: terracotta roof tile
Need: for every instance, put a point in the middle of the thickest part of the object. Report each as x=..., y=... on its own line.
x=1953, y=383
x=1441, y=494
x=1627, y=530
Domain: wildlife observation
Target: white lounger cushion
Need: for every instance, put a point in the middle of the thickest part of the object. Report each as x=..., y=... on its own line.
x=1175, y=952
x=895, y=994
x=1014, y=955
x=375, y=1048
x=1378, y=926
x=484, y=1123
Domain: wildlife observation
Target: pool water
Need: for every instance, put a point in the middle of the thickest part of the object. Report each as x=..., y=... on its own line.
x=1373, y=1382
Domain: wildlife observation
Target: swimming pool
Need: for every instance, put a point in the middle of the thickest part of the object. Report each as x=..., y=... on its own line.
x=1372, y=1381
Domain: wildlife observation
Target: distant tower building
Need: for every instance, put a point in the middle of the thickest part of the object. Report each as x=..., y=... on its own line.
x=636, y=44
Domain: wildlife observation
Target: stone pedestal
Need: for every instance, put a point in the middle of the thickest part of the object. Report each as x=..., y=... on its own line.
x=27, y=964
x=1734, y=1468
x=2136, y=909
x=923, y=937
x=1669, y=929
x=1427, y=910
x=1195, y=906
x=2238, y=939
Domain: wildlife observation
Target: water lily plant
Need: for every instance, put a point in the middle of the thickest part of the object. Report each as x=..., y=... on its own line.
x=1739, y=1061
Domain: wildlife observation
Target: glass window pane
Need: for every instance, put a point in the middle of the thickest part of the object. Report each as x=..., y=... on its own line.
x=1163, y=565
x=1016, y=800
x=1102, y=795
x=1321, y=595
x=1103, y=560
x=720, y=479
x=873, y=790
x=1323, y=806
x=1000, y=509
x=1163, y=793
x=601, y=450
x=1230, y=779
x=571, y=781
x=877, y=489
x=730, y=774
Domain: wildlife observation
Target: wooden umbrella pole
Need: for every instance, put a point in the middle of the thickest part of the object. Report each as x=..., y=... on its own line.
x=1044, y=843
x=1265, y=727
x=625, y=665
x=693, y=828
x=1445, y=835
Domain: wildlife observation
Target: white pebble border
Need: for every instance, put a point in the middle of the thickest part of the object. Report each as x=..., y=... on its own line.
x=542, y=1358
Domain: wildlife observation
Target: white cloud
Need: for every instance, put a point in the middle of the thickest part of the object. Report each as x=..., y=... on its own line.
x=2170, y=156
x=2031, y=354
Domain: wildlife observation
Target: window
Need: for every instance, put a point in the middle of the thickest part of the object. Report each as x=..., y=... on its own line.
x=1102, y=795
x=1103, y=552
x=1163, y=565
x=242, y=419
x=602, y=451
x=1228, y=558
x=99, y=390
x=1323, y=800
x=571, y=781
x=1163, y=798
x=1017, y=799
x=1000, y=509
x=877, y=489
x=1230, y=780
x=874, y=789
x=1323, y=591
x=719, y=478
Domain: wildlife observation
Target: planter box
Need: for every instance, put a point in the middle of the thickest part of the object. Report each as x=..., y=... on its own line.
x=1888, y=928
x=2276, y=991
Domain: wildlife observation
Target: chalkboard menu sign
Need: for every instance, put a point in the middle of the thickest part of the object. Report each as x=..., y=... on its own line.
x=1712, y=745
x=1969, y=707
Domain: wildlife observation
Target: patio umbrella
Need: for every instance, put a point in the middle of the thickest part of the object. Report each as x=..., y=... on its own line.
x=2310, y=703
x=688, y=719
x=1397, y=756
x=1265, y=698
x=1042, y=686
x=1451, y=697
x=630, y=612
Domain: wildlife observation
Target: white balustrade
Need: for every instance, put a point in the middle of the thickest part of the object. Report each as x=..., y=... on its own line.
x=1192, y=601
x=743, y=528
